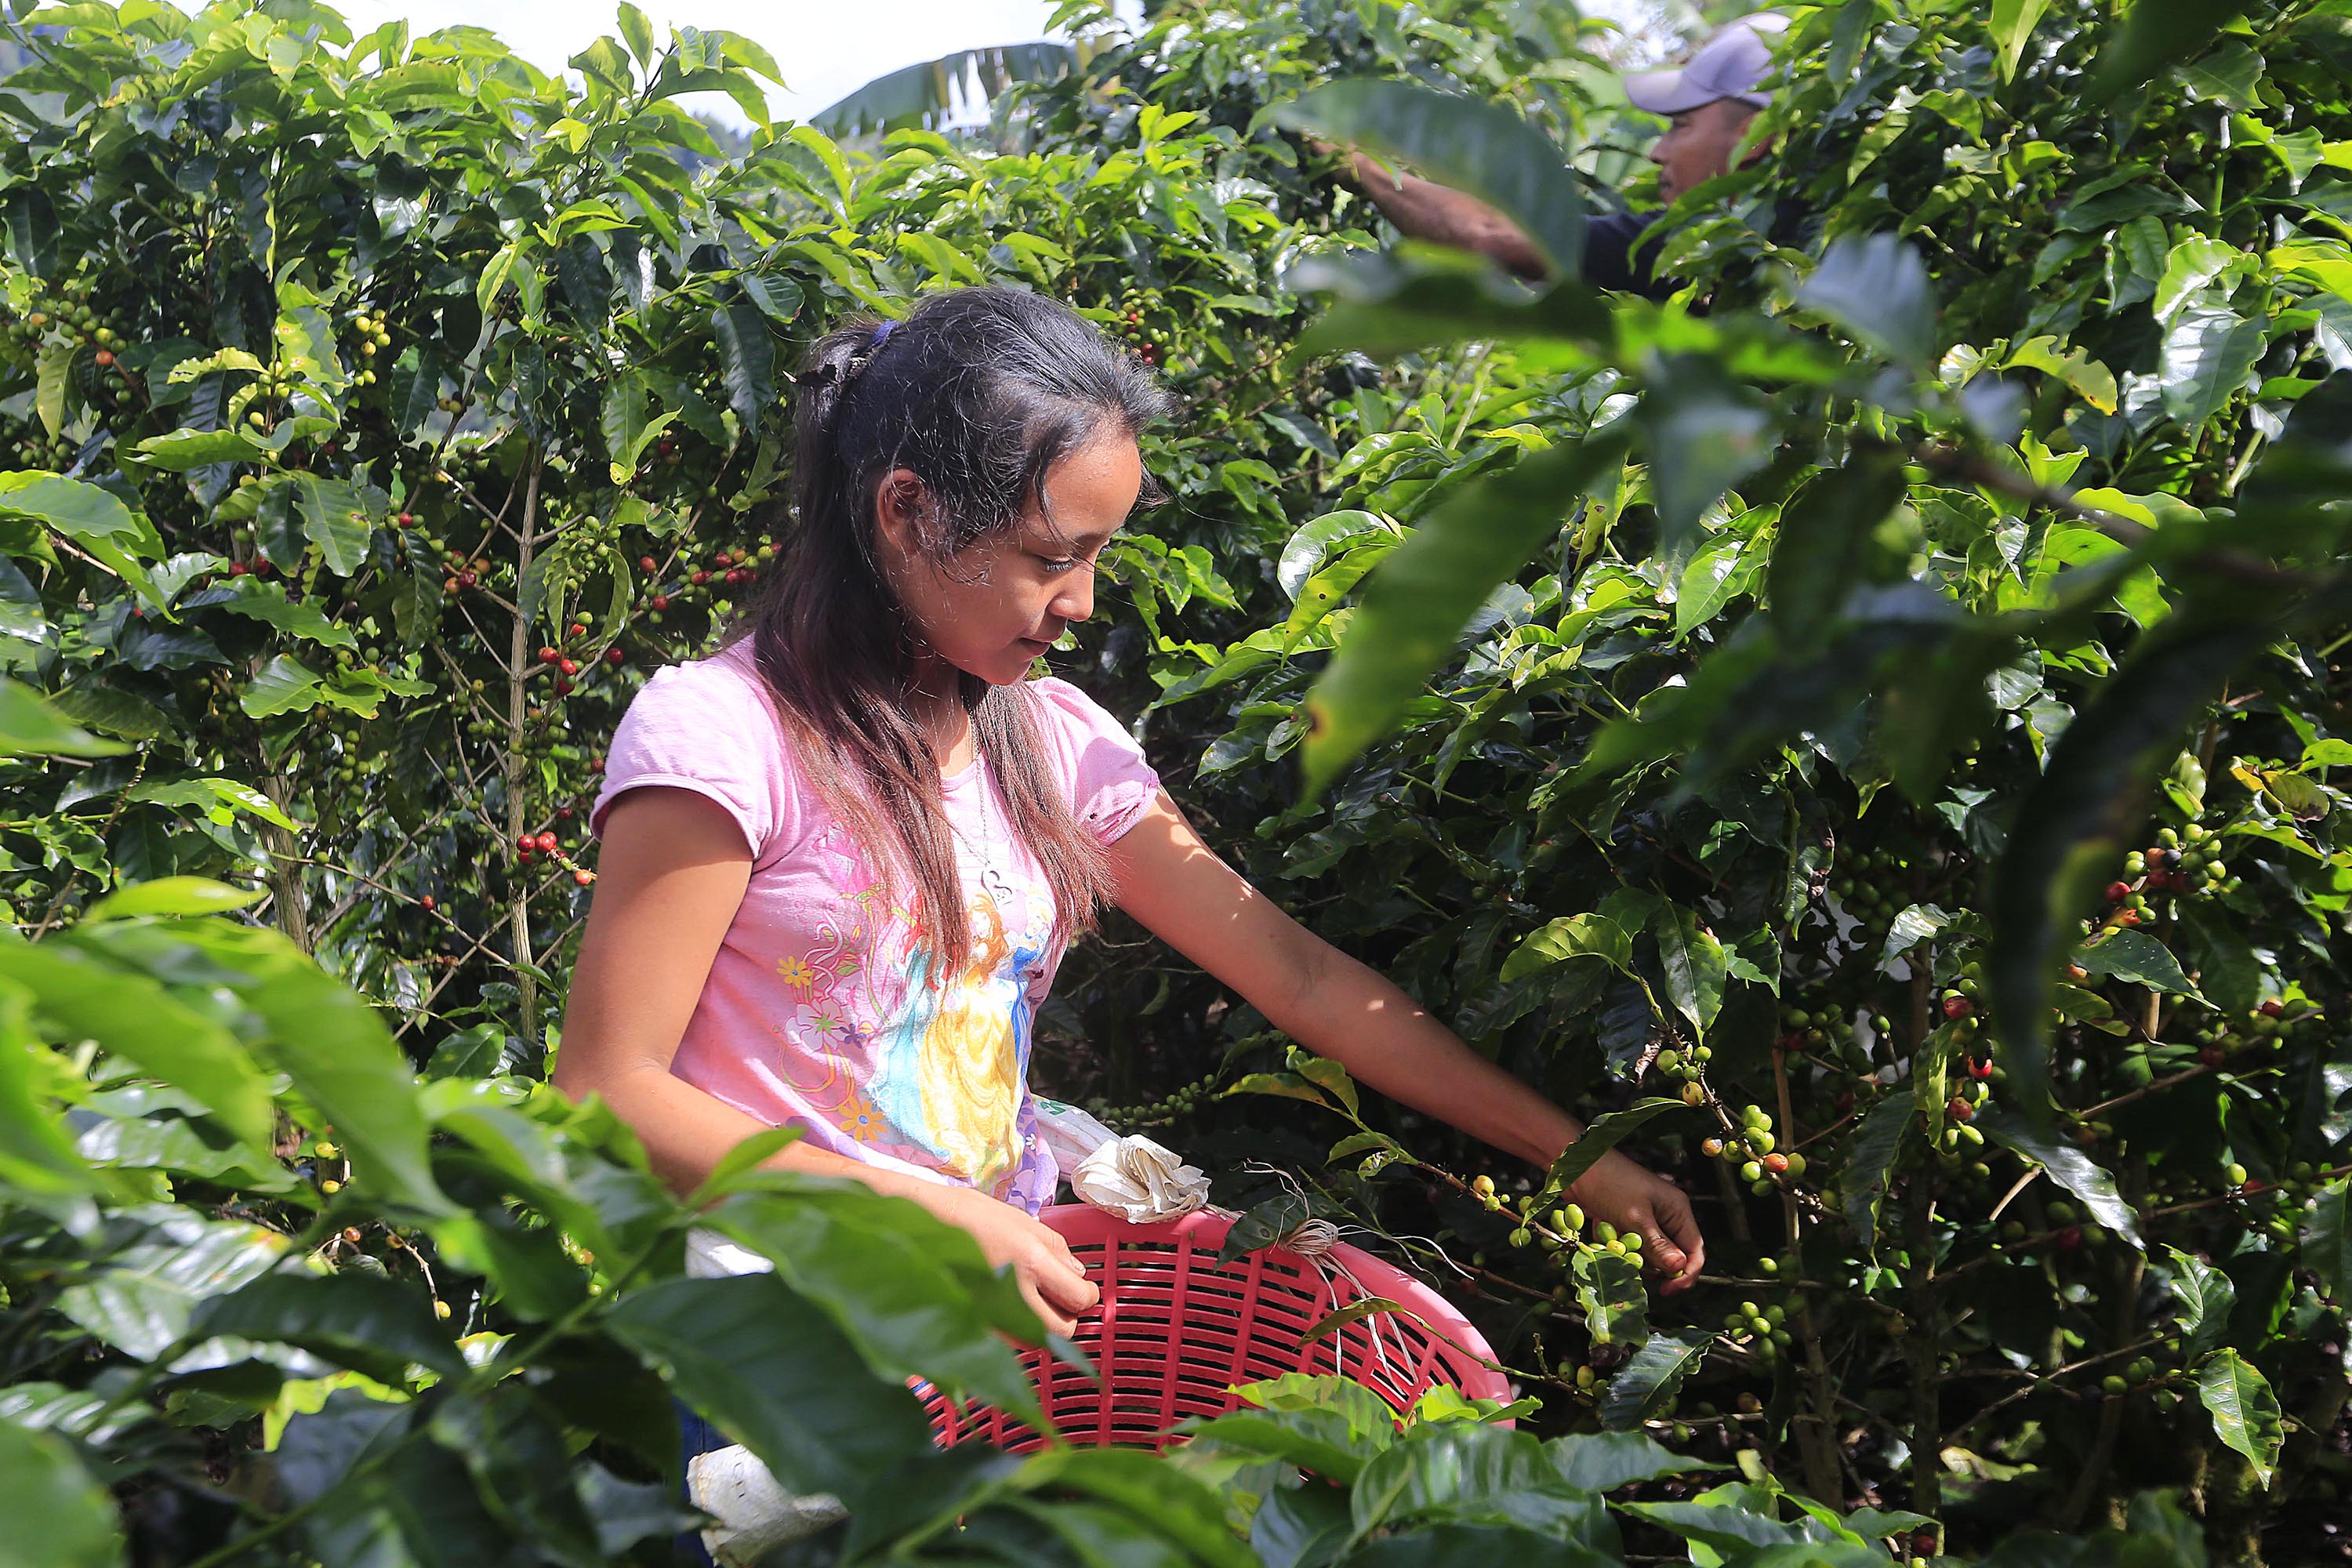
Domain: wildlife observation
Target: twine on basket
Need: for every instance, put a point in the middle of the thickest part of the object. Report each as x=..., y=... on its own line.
x=1314, y=1240
x=1140, y=1181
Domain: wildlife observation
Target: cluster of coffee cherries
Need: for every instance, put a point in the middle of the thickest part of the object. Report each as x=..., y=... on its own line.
x=1760, y=1329
x=1865, y=887
x=2068, y=1232
x=63, y=311
x=35, y=448
x=1154, y=1112
x=544, y=845
x=733, y=568
x=1562, y=1230
x=1969, y=1093
x=727, y=570
x=2181, y=864
x=567, y=667
x=1820, y=1033
x=667, y=454
x=2271, y=1025
x=374, y=338
x=1963, y=1021
x=2137, y=1372
x=1128, y=324
x=460, y=571
x=2277, y=1205
x=329, y=1154
x=1690, y=1067
x=1753, y=1149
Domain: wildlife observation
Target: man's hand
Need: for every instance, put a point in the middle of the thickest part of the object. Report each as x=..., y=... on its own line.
x=1423, y=209
x=1355, y=168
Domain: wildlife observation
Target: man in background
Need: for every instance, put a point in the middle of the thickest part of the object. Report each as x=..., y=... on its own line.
x=1709, y=102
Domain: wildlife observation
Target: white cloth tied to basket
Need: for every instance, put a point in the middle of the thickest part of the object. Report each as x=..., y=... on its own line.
x=1131, y=1176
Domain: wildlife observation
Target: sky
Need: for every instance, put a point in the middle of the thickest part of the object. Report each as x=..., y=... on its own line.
x=826, y=48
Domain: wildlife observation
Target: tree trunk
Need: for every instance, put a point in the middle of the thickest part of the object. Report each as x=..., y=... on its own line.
x=518, y=763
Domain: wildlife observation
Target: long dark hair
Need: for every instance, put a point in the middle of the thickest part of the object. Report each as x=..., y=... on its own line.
x=978, y=392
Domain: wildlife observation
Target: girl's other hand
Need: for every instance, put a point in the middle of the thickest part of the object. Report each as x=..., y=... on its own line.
x=1640, y=1201
x=1050, y=1279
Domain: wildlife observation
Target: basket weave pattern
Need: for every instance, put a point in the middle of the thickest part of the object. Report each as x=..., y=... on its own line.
x=1176, y=1330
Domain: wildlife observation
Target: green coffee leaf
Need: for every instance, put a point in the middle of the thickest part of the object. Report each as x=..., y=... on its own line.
x=29, y=724
x=1876, y=288
x=1604, y=1461
x=369, y=1323
x=2072, y=827
x=1568, y=937
x=2069, y=1167
x=2132, y=955
x=1426, y=591
x=2245, y=1412
x=1695, y=965
x=2208, y=355
x=1826, y=545
x=132, y=1016
x=2154, y=36
x=1323, y=1442
x=1481, y=148
x=2205, y=1296
x=84, y=513
x=335, y=518
x=1644, y=1388
x=774, y=1372
x=55, y=1503
x=1609, y=1290
x=1870, y=1157
x=2013, y=22
x=1604, y=1133
x=2327, y=1239
x=172, y=895
x=284, y=685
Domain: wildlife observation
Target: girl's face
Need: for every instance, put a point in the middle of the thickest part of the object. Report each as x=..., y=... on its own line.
x=993, y=607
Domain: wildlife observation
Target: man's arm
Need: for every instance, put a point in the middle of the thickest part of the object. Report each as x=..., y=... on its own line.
x=1425, y=210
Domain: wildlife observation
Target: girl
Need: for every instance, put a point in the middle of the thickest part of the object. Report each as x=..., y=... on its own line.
x=843, y=855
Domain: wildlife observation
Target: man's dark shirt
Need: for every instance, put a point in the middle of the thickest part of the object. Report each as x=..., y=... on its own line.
x=1611, y=262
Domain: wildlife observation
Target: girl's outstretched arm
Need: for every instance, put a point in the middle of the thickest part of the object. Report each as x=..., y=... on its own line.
x=1189, y=898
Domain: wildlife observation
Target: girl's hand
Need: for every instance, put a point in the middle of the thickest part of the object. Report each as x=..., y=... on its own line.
x=1051, y=1280
x=1631, y=1198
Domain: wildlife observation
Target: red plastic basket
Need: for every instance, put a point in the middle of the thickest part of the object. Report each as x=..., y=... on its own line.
x=1176, y=1330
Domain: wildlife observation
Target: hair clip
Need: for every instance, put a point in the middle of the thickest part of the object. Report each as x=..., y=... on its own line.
x=866, y=350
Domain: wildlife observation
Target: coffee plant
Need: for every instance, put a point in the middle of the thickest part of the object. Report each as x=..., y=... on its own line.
x=1865, y=727
x=1907, y=763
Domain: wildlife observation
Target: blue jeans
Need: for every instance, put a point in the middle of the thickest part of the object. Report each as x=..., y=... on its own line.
x=697, y=1437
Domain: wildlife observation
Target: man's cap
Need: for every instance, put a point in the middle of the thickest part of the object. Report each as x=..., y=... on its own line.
x=1735, y=63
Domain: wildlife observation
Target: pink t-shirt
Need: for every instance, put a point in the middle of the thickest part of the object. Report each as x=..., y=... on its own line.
x=827, y=1006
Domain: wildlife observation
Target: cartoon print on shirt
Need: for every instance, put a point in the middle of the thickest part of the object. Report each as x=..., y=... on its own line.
x=915, y=1056
x=970, y=1056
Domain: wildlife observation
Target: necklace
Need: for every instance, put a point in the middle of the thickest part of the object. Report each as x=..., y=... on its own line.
x=993, y=879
